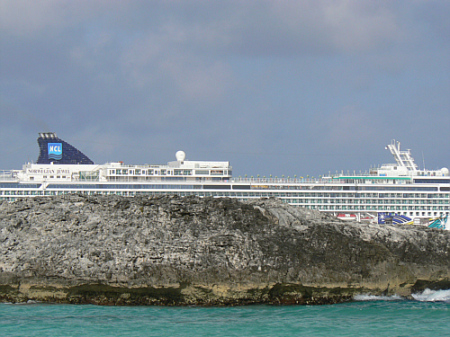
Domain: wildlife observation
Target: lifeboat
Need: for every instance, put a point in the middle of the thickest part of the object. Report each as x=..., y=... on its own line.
x=346, y=216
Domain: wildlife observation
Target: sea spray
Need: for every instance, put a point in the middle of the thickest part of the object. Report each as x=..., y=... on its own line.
x=368, y=297
x=427, y=295
x=433, y=296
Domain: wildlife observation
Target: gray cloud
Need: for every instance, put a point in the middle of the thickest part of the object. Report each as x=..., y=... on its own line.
x=275, y=87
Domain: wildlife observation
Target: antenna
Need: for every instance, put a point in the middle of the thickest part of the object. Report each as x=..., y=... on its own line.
x=423, y=158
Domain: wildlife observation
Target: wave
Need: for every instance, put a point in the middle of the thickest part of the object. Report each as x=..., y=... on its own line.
x=427, y=295
x=22, y=303
x=368, y=297
x=433, y=296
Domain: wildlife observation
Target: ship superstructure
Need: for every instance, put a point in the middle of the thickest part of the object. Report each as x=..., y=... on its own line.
x=391, y=191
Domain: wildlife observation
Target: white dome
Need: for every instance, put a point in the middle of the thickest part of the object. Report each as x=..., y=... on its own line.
x=180, y=155
x=445, y=171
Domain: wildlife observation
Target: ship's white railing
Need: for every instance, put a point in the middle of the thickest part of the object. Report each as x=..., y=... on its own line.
x=363, y=179
x=277, y=180
x=11, y=176
x=223, y=180
x=8, y=176
x=143, y=166
x=190, y=179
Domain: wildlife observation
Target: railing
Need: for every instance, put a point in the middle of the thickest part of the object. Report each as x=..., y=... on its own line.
x=360, y=179
x=277, y=180
x=8, y=176
x=215, y=180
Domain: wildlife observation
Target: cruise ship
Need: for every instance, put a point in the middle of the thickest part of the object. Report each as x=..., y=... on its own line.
x=391, y=193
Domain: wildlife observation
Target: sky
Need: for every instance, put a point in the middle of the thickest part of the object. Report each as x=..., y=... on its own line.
x=305, y=87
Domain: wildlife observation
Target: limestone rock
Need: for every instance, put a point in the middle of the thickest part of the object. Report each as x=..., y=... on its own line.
x=177, y=251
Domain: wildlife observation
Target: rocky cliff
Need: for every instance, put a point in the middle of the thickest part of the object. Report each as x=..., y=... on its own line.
x=203, y=251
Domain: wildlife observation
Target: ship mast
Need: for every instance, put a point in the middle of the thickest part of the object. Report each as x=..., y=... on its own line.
x=403, y=158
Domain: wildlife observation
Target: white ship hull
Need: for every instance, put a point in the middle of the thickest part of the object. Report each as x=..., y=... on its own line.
x=391, y=189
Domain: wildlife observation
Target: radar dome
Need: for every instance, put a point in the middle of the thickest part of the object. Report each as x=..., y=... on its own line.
x=445, y=171
x=180, y=155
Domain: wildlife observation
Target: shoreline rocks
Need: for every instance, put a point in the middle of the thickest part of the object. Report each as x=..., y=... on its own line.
x=171, y=250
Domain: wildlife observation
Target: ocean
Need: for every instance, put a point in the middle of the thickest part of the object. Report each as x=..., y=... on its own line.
x=427, y=315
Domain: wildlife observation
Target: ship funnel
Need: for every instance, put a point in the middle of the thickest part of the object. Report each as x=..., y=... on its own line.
x=55, y=150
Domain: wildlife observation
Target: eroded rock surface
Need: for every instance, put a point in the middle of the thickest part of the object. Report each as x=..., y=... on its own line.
x=177, y=251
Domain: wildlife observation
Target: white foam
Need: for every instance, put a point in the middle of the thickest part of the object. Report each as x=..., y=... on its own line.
x=367, y=297
x=433, y=296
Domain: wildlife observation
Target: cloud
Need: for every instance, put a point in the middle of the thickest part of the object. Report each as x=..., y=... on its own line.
x=292, y=28
x=198, y=81
x=235, y=76
x=361, y=26
x=273, y=27
x=29, y=18
x=348, y=125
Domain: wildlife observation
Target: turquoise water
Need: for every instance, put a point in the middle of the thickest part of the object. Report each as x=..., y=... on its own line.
x=367, y=317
